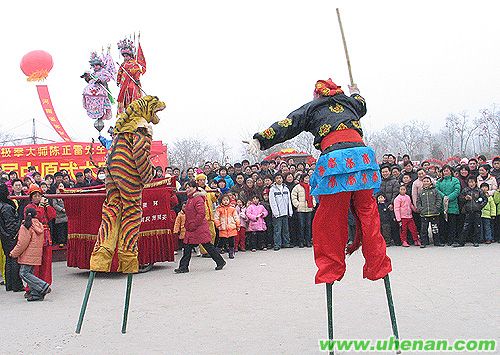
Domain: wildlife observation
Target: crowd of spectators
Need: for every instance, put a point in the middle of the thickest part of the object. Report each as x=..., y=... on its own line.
x=443, y=205
x=452, y=204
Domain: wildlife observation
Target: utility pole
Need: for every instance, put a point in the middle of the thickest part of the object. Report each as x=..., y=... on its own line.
x=34, y=132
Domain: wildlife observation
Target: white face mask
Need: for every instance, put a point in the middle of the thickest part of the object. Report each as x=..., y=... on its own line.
x=101, y=176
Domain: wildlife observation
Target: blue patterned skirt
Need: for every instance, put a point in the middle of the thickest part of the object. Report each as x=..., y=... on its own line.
x=350, y=169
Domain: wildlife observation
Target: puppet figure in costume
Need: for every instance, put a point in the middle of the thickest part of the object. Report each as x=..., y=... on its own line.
x=129, y=74
x=128, y=168
x=346, y=171
x=44, y=213
x=96, y=97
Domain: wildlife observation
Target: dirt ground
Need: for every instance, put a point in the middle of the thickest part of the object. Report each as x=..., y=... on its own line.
x=261, y=303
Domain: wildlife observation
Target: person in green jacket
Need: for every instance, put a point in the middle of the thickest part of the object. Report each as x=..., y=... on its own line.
x=488, y=213
x=449, y=189
x=429, y=205
x=496, y=232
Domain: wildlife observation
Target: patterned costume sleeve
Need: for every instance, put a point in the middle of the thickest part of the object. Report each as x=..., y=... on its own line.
x=104, y=76
x=283, y=130
x=141, y=152
x=359, y=104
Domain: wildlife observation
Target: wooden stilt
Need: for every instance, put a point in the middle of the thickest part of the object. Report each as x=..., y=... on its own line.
x=127, y=302
x=329, y=305
x=85, y=301
x=392, y=313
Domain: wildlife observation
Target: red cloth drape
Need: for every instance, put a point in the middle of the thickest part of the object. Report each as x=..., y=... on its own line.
x=156, y=241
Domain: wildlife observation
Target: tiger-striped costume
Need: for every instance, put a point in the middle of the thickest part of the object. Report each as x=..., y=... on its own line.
x=128, y=169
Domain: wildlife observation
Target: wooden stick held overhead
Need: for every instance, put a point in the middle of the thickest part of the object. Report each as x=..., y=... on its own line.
x=345, y=48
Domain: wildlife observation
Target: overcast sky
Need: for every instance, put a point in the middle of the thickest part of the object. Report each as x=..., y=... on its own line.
x=229, y=68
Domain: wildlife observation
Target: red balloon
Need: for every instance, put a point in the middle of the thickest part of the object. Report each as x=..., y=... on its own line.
x=36, y=65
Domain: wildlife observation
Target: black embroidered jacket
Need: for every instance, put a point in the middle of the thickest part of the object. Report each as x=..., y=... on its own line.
x=320, y=117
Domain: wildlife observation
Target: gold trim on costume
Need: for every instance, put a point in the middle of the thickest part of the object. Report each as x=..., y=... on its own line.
x=338, y=108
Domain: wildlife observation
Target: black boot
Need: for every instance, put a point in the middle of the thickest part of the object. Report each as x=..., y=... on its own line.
x=231, y=253
x=220, y=265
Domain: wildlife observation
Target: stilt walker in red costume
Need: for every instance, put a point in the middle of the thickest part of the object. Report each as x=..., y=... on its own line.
x=346, y=175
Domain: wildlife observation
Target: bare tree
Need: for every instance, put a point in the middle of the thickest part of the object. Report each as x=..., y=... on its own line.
x=378, y=140
x=411, y=138
x=489, y=127
x=191, y=152
x=223, y=149
x=464, y=129
x=414, y=137
x=10, y=139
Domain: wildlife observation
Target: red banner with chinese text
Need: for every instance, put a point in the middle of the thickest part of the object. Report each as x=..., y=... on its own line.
x=48, y=109
x=72, y=156
x=156, y=242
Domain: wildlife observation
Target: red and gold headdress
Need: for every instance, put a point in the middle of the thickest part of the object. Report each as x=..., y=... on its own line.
x=327, y=88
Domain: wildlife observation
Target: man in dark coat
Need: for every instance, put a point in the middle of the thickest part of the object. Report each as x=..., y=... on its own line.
x=390, y=188
x=9, y=226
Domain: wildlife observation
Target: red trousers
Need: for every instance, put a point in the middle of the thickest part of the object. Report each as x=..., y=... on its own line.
x=330, y=236
x=44, y=271
x=408, y=223
x=239, y=240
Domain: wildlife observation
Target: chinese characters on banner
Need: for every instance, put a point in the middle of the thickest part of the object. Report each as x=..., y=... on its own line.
x=72, y=156
x=48, y=109
x=50, y=158
x=156, y=210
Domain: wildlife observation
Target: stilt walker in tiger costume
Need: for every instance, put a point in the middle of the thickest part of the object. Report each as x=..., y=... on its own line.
x=128, y=170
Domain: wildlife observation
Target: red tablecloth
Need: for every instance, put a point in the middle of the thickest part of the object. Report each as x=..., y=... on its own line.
x=156, y=241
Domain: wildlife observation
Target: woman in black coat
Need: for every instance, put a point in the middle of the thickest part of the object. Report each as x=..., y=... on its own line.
x=9, y=226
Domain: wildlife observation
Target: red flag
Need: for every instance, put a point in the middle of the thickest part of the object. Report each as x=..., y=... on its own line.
x=141, y=59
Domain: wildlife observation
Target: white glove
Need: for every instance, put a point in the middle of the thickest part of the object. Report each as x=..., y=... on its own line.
x=353, y=89
x=253, y=147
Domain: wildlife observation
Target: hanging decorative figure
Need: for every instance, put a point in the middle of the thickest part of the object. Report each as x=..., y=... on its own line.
x=129, y=73
x=96, y=95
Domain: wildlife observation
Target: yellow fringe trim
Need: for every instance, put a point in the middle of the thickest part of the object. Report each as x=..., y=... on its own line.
x=167, y=181
x=141, y=234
